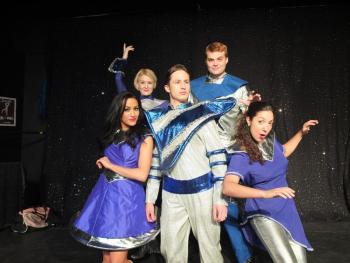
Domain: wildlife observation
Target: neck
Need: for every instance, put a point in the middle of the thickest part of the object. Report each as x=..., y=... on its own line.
x=217, y=76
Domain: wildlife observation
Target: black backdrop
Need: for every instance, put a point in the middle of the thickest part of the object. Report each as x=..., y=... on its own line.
x=297, y=57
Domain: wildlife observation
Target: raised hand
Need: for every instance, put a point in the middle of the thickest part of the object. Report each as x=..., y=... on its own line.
x=307, y=125
x=126, y=50
x=253, y=96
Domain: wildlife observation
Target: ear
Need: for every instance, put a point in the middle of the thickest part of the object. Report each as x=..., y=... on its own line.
x=248, y=121
x=167, y=88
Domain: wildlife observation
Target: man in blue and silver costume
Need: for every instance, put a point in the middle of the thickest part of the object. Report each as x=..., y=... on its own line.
x=191, y=162
x=218, y=84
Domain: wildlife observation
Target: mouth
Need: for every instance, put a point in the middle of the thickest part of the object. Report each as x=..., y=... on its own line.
x=262, y=136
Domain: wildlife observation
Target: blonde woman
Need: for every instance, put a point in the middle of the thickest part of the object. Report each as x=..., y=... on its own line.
x=145, y=81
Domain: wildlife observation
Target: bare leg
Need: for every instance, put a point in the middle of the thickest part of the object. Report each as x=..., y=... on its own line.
x=106, y=257
x=119, y=256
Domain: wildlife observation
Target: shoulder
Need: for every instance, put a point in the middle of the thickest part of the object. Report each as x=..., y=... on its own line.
x=236, y=79
x=198, y=80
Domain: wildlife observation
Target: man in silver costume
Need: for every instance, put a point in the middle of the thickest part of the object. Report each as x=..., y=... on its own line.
x=191, y=161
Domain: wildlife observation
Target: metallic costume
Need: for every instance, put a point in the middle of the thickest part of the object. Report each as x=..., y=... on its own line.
x=207, y=88
x=272, y=224
x=192, y=161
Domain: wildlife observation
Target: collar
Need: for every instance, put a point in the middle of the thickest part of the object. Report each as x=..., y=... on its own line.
x=150, y=97
x=180, y=106
x=211, y=79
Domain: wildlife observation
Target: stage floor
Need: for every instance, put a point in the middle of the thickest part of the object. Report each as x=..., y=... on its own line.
x=330, y=240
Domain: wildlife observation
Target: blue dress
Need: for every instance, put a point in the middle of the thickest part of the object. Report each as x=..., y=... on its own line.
x=272, y=174
x=114, y=215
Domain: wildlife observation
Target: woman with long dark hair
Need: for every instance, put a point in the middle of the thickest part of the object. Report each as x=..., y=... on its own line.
x=260, y=166
x=113, y=218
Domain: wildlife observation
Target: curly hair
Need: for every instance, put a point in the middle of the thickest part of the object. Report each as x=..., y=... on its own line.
x=243, y=136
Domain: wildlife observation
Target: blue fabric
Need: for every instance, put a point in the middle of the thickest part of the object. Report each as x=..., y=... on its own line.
x=116, y=209
x=183, y=117
x=203, y=90
x=196, y=185
x=231, y=224
x=272, y=174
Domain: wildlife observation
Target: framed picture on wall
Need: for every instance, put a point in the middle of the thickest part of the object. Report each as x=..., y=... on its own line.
x=7, y=111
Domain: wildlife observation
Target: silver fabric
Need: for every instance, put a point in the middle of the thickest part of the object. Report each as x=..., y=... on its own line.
x=277, y=241
x=114, y=243
x=228, y=122
x=112, y=176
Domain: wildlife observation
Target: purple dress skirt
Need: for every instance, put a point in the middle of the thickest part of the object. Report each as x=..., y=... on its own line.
x=114, y=215
x=271, y=174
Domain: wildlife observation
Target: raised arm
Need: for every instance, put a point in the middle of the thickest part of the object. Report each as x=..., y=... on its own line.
x=118, y=67
x=291, y=145
x=141, y=172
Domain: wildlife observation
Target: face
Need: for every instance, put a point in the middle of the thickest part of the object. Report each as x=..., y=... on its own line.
x=178, y=87
x=216, y=63
x=145, y=85
x=260, y=125
x=130, y=114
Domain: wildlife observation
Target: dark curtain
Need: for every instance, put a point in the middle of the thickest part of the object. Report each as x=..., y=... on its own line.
x=297, y=58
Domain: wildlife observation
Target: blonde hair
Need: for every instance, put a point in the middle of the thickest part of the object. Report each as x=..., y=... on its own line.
x=217, y=46
x=149, y=73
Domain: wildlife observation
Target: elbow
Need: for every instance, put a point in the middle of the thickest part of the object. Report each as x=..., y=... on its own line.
x=143, y=178
x=225, y=189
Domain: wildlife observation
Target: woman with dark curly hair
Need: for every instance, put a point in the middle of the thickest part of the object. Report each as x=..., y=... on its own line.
x=257, y=172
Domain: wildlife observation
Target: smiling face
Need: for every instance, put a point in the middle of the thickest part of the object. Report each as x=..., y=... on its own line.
x=130, y=114
x=216, y=63
x=260, y=125
x=145, y=85
x=178, y=87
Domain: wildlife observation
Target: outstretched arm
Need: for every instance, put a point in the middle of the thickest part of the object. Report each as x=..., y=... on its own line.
x=141, y=172
x=291, y=145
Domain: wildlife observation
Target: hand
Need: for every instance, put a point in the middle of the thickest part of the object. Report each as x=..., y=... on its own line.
x=219, y=213
x=151, y=217
x=126, y=50
x=307, y=125
x=103, y=162
x=284, y=192
x=253, y=96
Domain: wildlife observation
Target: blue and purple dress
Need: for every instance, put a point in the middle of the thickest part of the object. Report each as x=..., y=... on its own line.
x=114, y=215
x=272, y=174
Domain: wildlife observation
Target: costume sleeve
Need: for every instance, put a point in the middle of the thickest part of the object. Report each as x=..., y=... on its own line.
x=239, y=166
x=154, y=179
x=228, y=122
x=217, y=159
x=118, y=67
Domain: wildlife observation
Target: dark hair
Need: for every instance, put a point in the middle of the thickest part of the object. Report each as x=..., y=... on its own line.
x=173, y=69
x=113, y=121
x=243, y=136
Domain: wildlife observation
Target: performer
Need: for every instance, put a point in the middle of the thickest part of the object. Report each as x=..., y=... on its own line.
x=145, y=81
x=219, y=84
x=113, y=218
x=262, y=168
x=192, y=160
